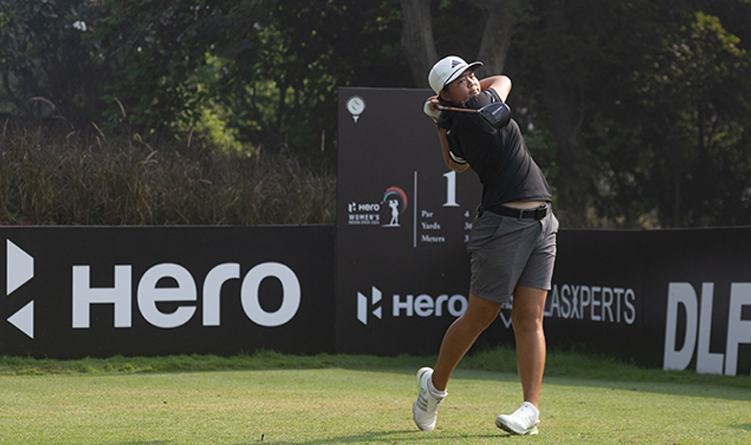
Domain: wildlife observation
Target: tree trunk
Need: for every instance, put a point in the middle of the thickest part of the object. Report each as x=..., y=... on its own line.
x=417, y=40
x=496, y=38
x=574, y=176
x=563, y=102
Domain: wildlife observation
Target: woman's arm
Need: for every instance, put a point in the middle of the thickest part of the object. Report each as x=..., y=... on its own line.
x=434, y=113
x=446, y=156
x=501, y=85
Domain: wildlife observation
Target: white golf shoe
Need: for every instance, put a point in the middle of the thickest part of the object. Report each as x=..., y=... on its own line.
x=425, y=409
x=522, y=422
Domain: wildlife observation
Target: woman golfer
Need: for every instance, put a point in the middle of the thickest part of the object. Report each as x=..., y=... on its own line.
x=512, y=244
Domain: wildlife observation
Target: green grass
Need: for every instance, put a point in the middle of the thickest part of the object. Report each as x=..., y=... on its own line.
x=324, y=399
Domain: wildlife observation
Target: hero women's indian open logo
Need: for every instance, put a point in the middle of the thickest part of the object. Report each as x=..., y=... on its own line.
x=19, y=269
x=386, y=213
x=397, y=202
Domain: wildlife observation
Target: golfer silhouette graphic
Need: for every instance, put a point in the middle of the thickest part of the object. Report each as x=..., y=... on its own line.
x=394, y=204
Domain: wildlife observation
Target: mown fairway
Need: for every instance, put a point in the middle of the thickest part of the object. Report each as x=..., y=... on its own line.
x=314, y=405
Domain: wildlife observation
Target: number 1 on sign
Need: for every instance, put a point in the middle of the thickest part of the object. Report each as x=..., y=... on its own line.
x=450, y=189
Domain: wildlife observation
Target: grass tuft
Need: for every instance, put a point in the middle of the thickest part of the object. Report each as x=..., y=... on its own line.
x=49, y=178
x=560, y=364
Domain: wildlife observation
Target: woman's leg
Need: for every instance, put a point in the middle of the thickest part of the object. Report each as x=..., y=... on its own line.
x=461, y=335
x=526, y=318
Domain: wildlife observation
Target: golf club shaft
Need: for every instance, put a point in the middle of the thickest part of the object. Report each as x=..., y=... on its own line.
x=466, y=110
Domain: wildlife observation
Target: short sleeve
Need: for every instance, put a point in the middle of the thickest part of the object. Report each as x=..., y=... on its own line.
x=454, y=149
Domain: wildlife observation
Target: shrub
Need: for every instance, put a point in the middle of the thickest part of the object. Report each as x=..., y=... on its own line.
x=48, y=177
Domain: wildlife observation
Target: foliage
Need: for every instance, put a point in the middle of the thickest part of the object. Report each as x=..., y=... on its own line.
x=696, y=125
x=651, y=112
x=45, y=52
x=637, y=111
x=268, y=70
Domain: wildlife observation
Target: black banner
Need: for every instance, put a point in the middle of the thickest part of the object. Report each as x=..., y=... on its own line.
x=97, y=291
x=402, y=222
x=698, y=297
x=675, y=299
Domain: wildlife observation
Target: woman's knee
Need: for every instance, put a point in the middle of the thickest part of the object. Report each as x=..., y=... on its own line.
x=481, y=312
x=477, y=321
x=526, y=321
x=528, y=309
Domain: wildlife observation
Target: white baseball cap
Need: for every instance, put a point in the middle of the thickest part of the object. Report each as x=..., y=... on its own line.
x=448, y=69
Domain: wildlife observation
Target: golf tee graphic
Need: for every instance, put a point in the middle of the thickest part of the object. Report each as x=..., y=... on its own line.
x=19, y=269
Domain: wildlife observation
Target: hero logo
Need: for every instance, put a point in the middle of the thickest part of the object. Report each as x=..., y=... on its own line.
x=148, y=294
x=423, y=305
x=19, y=269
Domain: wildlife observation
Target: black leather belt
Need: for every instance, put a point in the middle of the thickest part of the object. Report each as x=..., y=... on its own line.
x=537, y=213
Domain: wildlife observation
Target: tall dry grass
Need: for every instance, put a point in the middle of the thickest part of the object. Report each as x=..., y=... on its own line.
x=48, y=177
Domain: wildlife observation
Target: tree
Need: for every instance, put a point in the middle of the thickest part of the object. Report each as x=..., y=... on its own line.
x=46, y=52
x=497, y=19
x=268, y=71
x=694, y=125
x=628, y=105
x=417, y=38
x=635, y=110
x=502, y=16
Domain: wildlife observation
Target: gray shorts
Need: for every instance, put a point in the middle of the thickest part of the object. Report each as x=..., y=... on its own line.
x=507, y=251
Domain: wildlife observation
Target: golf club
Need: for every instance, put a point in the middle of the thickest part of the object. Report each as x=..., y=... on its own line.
x=497, y=114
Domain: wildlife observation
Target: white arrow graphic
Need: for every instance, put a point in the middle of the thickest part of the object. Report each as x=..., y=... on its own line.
x=19, y=267
x=24, y=320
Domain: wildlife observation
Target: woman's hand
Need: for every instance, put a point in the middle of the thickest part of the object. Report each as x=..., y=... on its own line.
x=429, y=108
